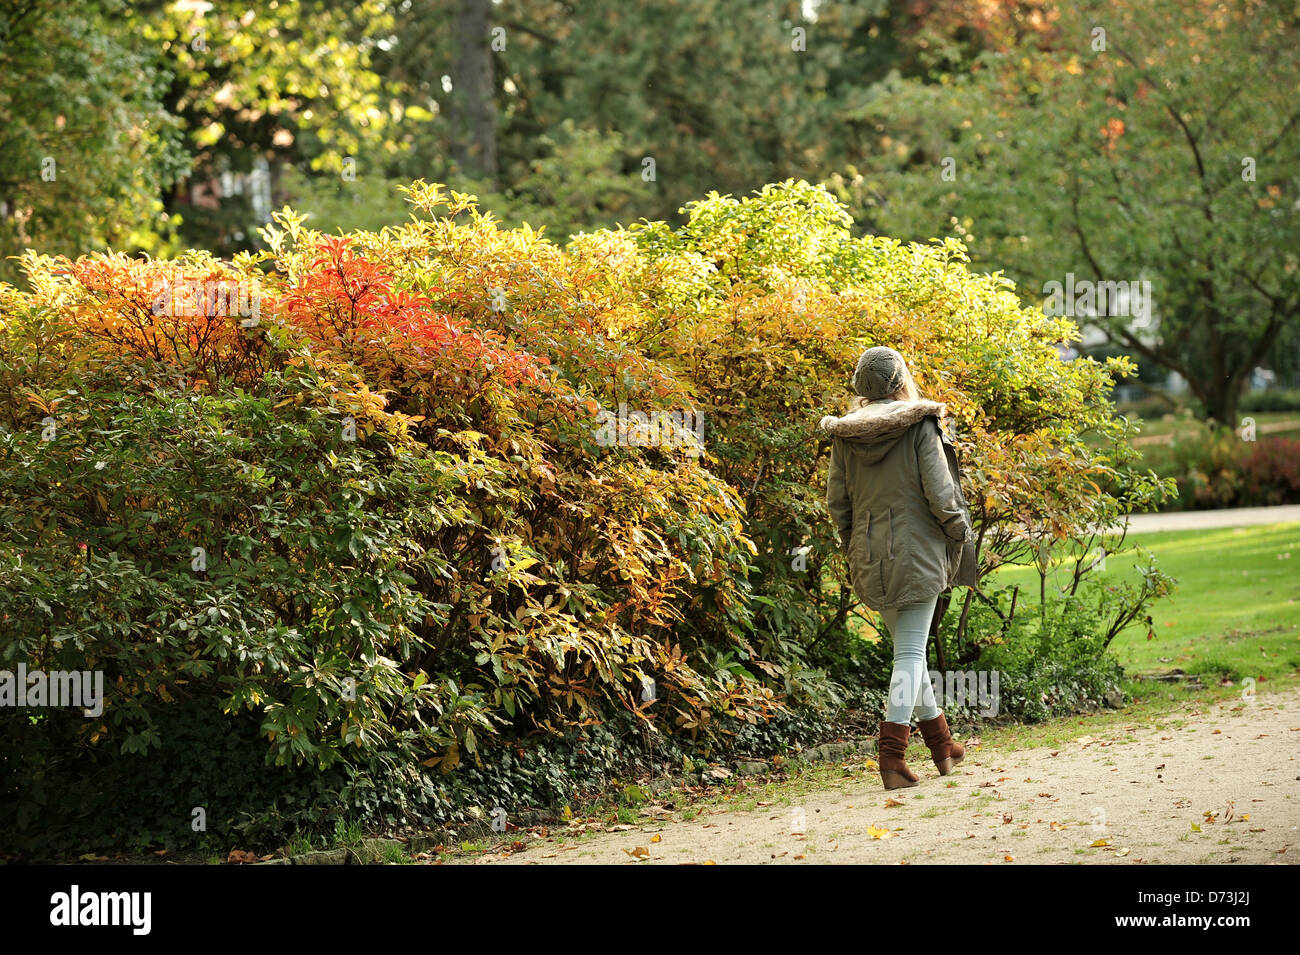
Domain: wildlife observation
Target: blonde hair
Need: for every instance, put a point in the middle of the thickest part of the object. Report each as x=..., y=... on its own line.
x=908, y=391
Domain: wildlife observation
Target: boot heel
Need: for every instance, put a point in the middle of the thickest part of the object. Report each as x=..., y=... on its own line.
x=945, y=753
x=893, y=779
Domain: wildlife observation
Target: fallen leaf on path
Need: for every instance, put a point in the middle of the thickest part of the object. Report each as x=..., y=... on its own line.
x=890, y=803
x=1122, y=852
x=877, y=833
x=1006, y=818
x=656, y=838
x=640, y=852
x=1008, y=858
x=1100, y=844
x=1196, y=828
x=1057, y=827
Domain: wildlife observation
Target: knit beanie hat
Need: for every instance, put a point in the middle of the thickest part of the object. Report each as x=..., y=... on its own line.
x=879, y=373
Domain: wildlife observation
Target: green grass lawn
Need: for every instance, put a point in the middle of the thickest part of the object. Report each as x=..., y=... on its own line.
x=1235, y=610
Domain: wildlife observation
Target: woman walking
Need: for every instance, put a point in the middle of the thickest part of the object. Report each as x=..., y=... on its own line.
x=894, y=493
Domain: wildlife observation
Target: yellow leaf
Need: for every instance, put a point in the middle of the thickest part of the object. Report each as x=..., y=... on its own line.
x=452, y=759
x=656, y=838
x=1099, y=843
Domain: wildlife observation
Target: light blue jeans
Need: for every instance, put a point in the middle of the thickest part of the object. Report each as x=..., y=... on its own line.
x=909, y=688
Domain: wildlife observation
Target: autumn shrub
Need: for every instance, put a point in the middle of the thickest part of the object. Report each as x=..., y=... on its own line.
x=1216, y=468
x=375, y=502
x=1272, y=472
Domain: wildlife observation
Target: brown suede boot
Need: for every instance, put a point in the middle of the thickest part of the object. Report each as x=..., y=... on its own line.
x=892, y=745
x=943, y=750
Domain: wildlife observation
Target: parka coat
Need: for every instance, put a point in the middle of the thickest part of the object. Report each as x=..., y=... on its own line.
x=894, y=492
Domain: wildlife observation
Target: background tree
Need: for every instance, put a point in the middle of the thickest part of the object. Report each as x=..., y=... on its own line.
x=88, y=143
x=1167, y=153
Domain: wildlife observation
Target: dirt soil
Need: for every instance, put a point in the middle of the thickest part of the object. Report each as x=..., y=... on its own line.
x=1218, y=784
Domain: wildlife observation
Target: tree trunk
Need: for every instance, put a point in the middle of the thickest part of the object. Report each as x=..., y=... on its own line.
x=940, y=608
x=473, y=108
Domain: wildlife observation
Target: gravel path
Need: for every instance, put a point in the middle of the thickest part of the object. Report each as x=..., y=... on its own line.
x=1226, y=517
x=1134, y=796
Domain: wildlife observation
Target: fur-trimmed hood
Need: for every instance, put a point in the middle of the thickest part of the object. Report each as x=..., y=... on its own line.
x=866, y=420
x=876, y=426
